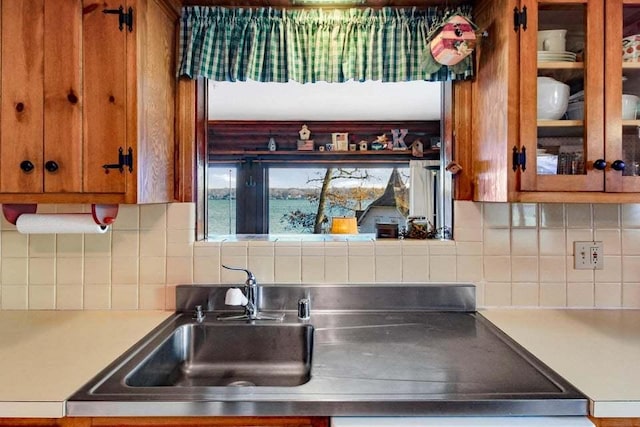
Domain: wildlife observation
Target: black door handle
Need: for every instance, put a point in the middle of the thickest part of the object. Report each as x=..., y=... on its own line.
x=26, y=166
x=51, y=166
x=618, y=165
x=600, y=164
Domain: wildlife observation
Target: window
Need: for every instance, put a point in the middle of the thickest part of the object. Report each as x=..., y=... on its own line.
x=251, y=190
x=221, y=200
x=298, y=202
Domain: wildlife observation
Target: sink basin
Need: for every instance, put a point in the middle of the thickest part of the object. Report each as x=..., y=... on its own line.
x=206, y=355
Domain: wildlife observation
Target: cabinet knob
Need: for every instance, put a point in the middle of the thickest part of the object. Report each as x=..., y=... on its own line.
x=26, y=166
x=51, y=166
x=618, y=165
x=600, y=164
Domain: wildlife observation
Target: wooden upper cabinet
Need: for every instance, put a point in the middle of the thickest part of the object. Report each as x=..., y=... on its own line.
x=80, y=95
x=586, y=154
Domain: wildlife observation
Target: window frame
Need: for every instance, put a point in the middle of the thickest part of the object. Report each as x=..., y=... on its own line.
x=191, y=147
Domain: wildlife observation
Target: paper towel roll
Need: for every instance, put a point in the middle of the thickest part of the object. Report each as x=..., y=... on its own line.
x=59, y=223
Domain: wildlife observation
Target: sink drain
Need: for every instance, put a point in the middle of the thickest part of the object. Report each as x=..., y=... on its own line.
x=240, y=384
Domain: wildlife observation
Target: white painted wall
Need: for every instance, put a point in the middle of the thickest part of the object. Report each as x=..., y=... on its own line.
x=370, y=100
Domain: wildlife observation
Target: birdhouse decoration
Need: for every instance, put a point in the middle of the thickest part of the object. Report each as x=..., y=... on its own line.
x=304, y=133
x=272, y=144
x=453, y=40
x=304, y=143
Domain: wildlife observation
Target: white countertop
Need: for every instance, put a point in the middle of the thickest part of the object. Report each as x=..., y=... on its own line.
x=598, y=351
x=46, y=356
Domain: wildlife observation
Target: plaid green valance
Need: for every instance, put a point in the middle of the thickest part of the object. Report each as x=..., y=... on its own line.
x=278, y=45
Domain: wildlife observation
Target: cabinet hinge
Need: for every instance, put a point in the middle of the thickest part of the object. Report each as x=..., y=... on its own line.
x=520, y=18
x=519, y=159
x=124, y=160
x=123, y=18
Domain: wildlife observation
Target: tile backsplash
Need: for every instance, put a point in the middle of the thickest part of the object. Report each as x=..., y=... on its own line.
x=516, y=254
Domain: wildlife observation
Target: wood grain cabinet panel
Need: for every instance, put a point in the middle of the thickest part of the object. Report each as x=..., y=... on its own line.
x=152, y=124
x=78, y=93
x=63, y=97
x=569, y=158
x=21, y=127
x=105, y=96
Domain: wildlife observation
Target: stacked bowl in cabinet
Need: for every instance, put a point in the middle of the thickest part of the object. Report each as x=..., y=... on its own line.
x=553, y=98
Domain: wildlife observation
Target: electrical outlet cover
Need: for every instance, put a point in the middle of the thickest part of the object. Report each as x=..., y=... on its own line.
x=588, y=255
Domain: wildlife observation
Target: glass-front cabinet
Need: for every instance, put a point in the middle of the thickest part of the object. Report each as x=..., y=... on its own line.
x=579, y=93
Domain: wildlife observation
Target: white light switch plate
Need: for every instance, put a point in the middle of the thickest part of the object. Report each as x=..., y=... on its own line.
x=588, y=255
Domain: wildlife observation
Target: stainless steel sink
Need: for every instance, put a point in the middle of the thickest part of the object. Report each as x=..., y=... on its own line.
x=206, y=355
x=380, y=350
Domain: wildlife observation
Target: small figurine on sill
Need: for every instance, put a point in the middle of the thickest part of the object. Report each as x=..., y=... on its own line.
x=272, y=144
x=398, y=138
x=380, y=143
x=305, y=145
x=417, y=148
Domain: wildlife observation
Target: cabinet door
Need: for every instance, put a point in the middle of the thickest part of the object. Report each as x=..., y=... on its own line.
x=495, y=97
x=104, y=87
x=62, y=97
x=622, y=92
x=562, y=95
x=21, y=130
x=41, y=110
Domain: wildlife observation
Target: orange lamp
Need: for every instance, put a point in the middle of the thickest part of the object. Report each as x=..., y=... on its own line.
x=344, y=225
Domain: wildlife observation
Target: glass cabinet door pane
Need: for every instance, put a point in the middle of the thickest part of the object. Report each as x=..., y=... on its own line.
x=629, y=94
x=565, y=125
x=560, y=89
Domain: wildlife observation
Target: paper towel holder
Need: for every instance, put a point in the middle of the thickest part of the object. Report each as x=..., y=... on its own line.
x=103, y=214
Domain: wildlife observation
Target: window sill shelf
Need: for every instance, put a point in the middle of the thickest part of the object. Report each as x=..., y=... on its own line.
x=300, y=156
x=364, y=237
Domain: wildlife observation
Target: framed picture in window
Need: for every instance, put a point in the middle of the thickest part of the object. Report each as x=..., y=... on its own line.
x=340, y=141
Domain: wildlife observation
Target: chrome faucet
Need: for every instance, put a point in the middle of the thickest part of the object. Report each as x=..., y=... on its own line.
x=199, y=315
x=250, y=299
